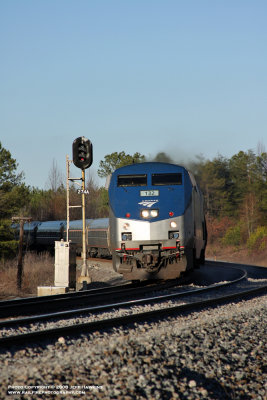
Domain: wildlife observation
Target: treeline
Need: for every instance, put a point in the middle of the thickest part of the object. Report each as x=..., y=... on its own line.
x=235, y=192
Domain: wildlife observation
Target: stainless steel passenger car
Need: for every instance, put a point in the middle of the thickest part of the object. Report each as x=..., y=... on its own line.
x=48, y=232
x=29, y=233
x=96, y=236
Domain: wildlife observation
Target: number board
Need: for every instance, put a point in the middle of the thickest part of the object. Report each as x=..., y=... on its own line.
x=149, y=193
x=81, y=191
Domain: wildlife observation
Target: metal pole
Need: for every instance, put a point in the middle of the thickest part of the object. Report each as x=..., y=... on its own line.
x=68, y=197
x=22, y=221
x=83, y=216
x=20, y=265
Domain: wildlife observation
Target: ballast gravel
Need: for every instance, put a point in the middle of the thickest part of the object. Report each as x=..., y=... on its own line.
x=217, y=353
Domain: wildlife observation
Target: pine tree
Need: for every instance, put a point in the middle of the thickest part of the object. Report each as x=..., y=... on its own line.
x=14, y=195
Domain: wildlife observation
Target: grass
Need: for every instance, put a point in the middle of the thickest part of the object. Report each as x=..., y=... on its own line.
x=38, y=270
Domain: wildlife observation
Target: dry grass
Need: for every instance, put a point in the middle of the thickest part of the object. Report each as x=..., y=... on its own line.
x=38, y=270
x=218, y=252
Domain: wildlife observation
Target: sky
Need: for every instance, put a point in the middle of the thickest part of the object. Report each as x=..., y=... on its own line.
x=185, y=77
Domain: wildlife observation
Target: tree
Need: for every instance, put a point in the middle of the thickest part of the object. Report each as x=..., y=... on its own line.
x=96, y=201
x=8, y=167
x=38, y=205
x=237, y=187
x=55, y=178
x=14, y=196
x=246, y=175
x=216, y=185
x=261, y=185
x=116, y=160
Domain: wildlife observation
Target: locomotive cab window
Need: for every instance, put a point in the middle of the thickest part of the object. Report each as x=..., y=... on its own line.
x=167, y=179
x=132, y=180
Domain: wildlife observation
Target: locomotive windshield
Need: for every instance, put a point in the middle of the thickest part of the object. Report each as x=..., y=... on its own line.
x=132, y=180
x=166, y=179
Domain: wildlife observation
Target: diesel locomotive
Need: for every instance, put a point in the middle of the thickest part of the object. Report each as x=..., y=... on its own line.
x=157, y=222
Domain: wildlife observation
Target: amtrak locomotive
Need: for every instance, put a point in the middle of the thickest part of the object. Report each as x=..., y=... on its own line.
x=157, y=222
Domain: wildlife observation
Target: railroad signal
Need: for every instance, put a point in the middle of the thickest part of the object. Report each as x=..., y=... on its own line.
x=82, y=152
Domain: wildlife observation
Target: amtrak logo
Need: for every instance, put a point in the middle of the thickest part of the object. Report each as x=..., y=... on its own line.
x=148, y=203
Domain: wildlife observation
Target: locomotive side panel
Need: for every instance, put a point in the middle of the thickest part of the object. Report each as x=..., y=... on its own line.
x=200, y=230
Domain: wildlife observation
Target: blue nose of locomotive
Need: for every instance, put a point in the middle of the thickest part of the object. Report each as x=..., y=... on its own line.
x=137, y=193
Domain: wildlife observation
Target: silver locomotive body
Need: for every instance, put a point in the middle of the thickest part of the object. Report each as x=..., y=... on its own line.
x=143, y=250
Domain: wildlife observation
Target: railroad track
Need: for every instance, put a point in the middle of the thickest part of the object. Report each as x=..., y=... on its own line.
x=192, y=300
x=43, y=304
x=72, y=300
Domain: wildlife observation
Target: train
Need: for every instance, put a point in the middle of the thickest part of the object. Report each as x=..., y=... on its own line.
x=41, y=236
x=157, y=221
x=156, y=227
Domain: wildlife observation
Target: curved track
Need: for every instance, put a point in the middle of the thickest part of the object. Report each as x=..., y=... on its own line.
x=39, y=305
x=238, y=287
x=43, y=304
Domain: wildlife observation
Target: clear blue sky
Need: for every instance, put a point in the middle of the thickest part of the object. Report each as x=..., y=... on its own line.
x=185, y=77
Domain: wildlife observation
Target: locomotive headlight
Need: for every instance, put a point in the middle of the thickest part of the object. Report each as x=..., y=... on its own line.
x=149, y=213
x=154, y=213
x=126, y=226
x=145, y=213
x=173, y=224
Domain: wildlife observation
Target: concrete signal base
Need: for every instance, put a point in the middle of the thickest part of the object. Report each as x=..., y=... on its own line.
x=50, y=290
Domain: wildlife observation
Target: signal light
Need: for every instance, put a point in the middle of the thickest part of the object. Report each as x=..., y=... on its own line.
x=82, y=152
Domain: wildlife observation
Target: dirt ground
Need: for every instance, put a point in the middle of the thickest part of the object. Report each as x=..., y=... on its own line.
x=101, y=273
x=237, y=255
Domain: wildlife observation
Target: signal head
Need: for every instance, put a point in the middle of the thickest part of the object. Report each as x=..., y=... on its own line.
x=82, y=152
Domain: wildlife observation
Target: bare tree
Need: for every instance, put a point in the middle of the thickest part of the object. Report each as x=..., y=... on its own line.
x=260, y=148
x=55, y=177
